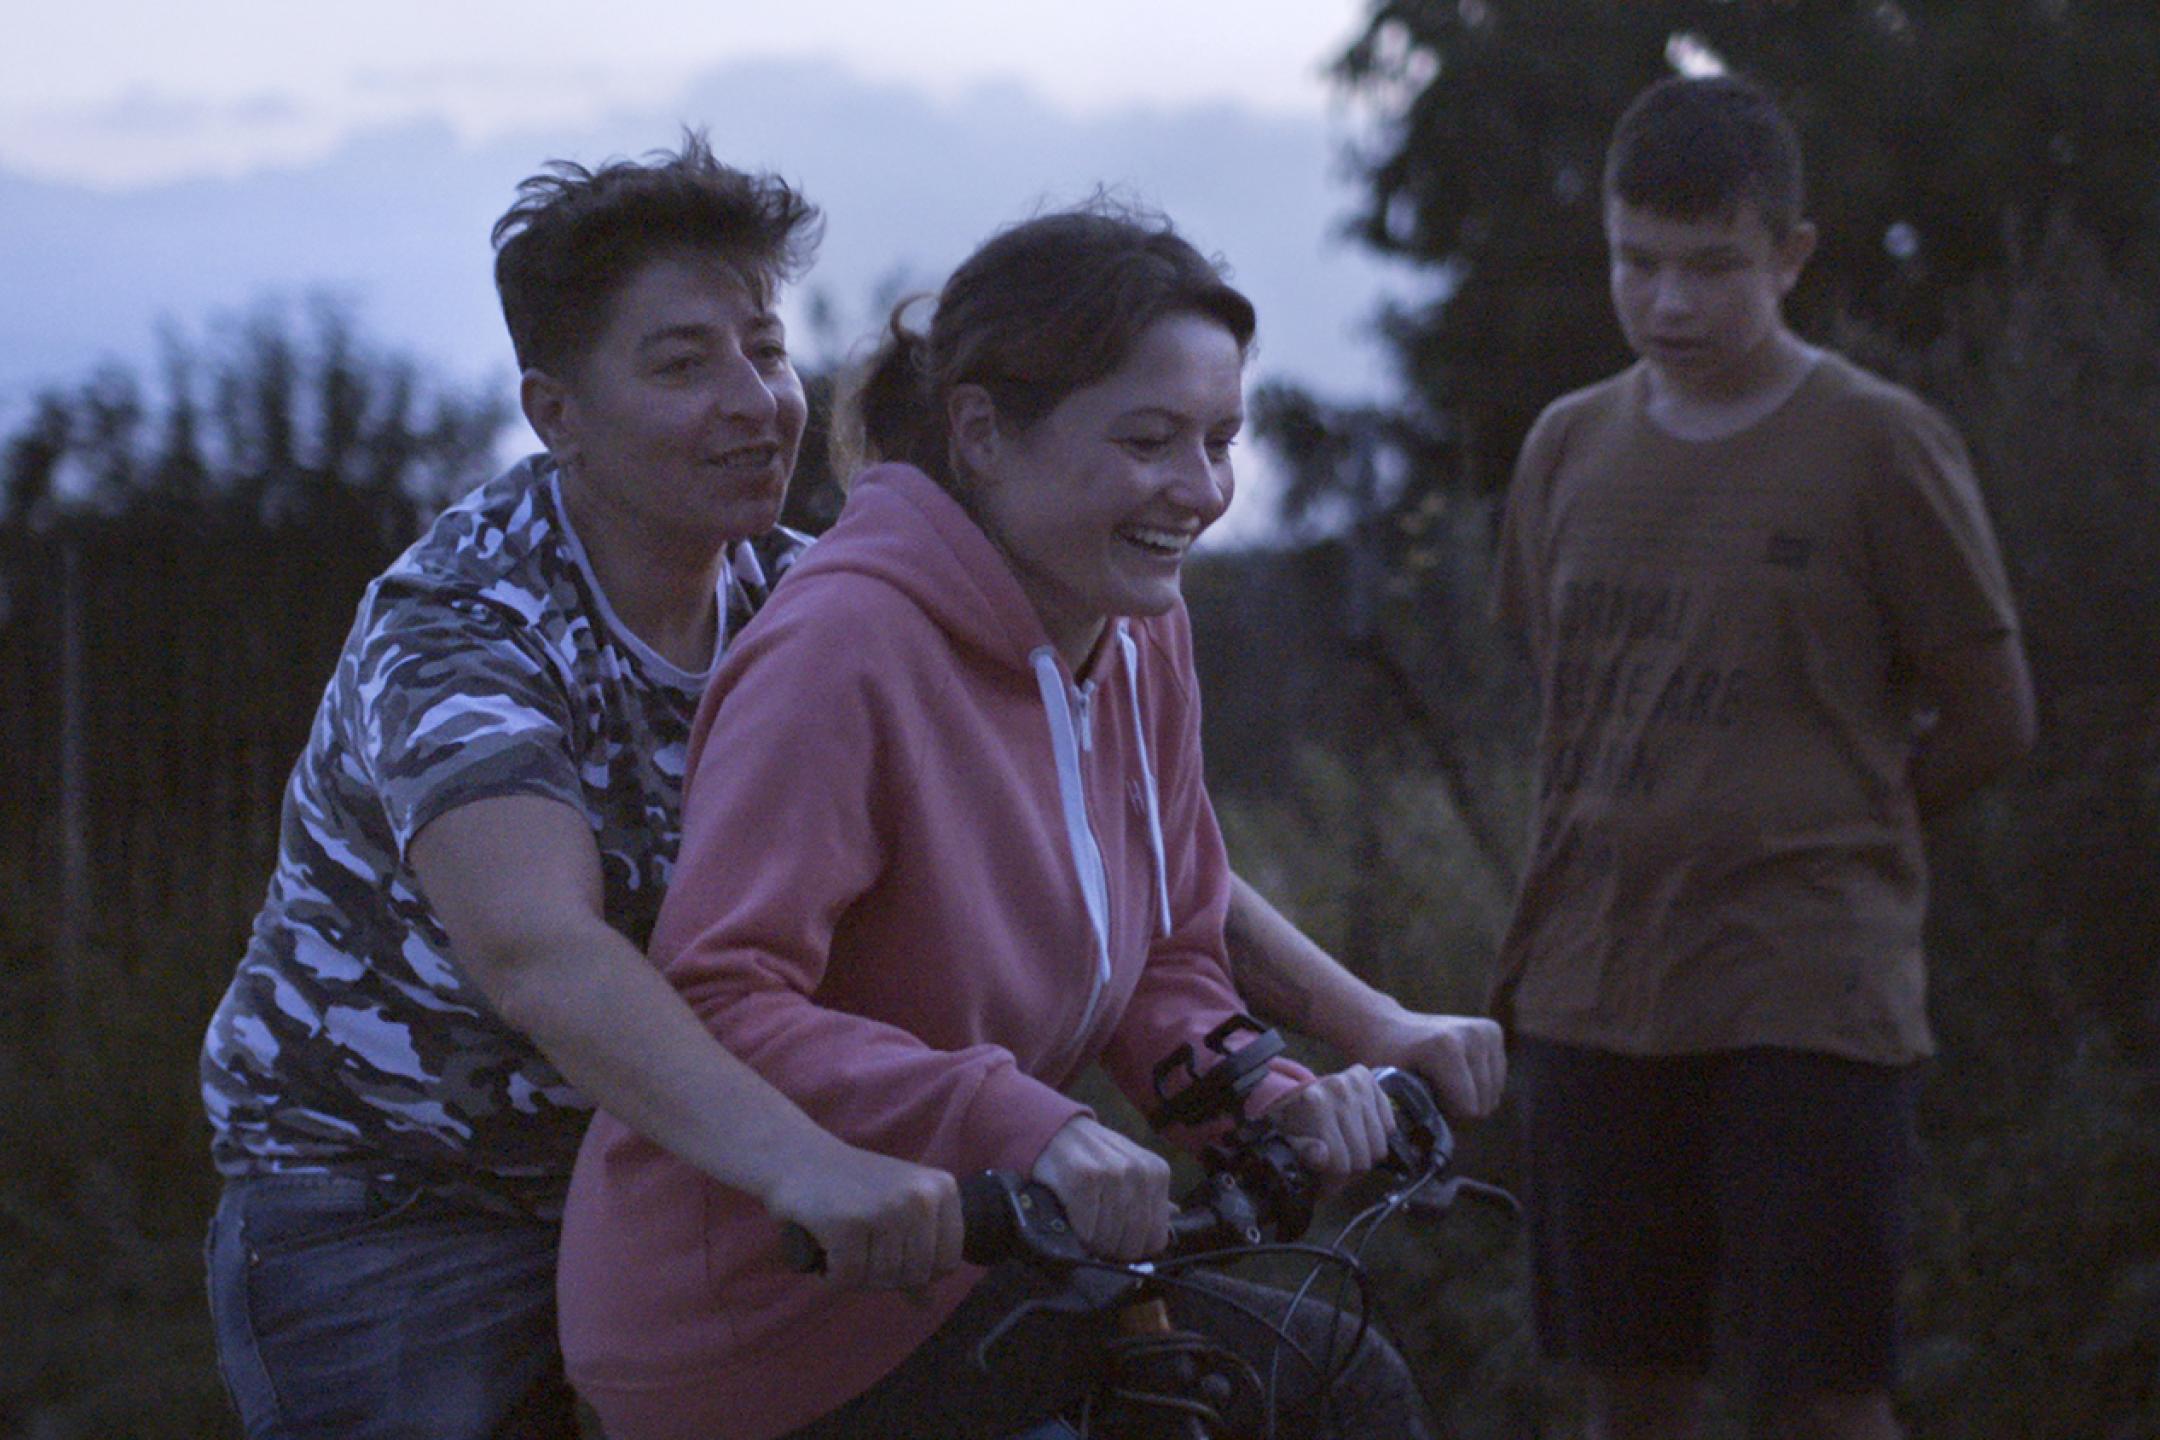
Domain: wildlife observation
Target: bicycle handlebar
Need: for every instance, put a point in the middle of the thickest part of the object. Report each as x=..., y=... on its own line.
x=1256, y=1190
x=1010, y=1217
x=1256, y=1198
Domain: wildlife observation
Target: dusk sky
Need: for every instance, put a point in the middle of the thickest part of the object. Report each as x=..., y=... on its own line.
x=171, y=131
x=121, y=92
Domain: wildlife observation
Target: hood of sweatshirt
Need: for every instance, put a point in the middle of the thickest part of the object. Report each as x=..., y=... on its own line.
x=903, y=528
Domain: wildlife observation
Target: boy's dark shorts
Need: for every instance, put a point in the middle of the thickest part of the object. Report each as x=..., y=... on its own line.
x=1750, y=1205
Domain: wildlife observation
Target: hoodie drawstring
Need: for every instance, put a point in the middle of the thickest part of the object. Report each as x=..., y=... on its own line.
x=1079, y=837
x=1147, y=773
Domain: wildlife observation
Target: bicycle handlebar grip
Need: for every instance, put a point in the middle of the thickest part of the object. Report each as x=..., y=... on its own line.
x=1003, y=1216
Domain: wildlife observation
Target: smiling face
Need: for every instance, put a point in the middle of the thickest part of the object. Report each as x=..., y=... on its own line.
x=1701, y=300
x=1096, y=504
x=678, y=429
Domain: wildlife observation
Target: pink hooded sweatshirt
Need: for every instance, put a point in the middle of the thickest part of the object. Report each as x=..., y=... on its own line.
x=927, y=876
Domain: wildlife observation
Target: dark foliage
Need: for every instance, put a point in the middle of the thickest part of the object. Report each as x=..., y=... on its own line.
x=280, y=419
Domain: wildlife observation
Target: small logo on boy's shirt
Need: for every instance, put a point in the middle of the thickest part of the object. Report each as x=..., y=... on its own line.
x=1788, y=551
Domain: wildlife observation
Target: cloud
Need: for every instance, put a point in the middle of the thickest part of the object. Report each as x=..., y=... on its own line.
x=431, y=81
x=147, y=135
x=145, y=110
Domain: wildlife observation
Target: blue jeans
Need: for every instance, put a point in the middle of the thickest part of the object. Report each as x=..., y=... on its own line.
x=363, y=1310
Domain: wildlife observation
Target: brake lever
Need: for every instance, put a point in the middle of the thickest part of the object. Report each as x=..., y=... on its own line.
x=1421, y=1139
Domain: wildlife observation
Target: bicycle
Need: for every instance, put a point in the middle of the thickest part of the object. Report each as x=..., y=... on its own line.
x=1255, y=1199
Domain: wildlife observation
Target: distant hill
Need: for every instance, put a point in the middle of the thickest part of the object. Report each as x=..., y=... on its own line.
x=396, y=221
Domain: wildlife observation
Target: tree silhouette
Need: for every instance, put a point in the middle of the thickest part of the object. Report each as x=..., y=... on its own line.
x=281, y=419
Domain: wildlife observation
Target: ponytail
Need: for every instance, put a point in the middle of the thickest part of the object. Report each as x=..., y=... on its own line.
x=888, y=408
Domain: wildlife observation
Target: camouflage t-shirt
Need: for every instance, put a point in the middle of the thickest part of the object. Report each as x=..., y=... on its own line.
x=484, y=662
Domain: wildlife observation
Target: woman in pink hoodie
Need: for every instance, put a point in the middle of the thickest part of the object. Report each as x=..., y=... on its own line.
x=946, y=842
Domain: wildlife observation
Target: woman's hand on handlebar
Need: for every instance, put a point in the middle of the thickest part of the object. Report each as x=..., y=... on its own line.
x=1339, y=1123
x=1116, y=1193
x=883, y=1223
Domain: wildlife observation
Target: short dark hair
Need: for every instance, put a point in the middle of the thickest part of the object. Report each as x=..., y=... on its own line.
x=575, y=236
x=1043, y=308
x=1694, y=147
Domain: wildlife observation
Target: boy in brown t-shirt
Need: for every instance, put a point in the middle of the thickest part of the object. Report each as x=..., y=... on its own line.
x=1771, y=634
